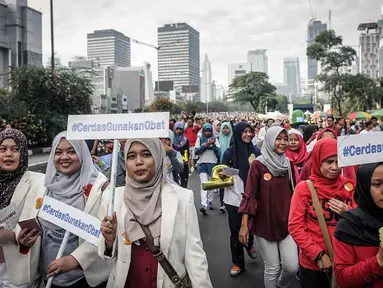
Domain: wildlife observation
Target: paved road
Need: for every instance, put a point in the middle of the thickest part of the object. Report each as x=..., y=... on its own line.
x=215, y=236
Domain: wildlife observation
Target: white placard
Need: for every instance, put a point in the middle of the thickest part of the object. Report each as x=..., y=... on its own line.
x=360, y=149
x=9, y=217
x=118, y=126
x=71, y=219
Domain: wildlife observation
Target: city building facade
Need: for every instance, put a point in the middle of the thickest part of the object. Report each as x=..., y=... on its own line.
x=236, y=70
x=292, y=76
x=206, y=81
x=315, y=27
x=109, y=47
x=369, y=44
x=179, y=57
x=83, y=63
x=20, y=36
x=257, y=60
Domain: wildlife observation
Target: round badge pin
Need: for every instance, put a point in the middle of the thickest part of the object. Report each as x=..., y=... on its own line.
x=267, y=176
x=348, y=187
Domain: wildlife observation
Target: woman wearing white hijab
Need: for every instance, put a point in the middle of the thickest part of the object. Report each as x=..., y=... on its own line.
x=265, y=209
x=72, y=179
x=168, y=212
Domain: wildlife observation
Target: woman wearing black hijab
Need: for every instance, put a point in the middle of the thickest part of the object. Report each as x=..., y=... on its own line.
x=238, y=156
x=357, y=247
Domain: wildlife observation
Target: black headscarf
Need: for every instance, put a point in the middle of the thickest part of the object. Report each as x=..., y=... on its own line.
x=10, y=180
x=241, y=151
x=361, y=226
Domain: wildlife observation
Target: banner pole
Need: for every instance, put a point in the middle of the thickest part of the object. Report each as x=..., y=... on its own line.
x=113, y=176
x=59, y=255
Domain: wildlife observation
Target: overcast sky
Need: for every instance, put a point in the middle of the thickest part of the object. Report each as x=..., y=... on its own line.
x=228, y=28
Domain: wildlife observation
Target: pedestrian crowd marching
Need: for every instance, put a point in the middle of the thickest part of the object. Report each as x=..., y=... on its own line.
x=288, y=200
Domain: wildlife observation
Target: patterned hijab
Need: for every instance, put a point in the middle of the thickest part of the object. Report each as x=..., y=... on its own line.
x=9, y=180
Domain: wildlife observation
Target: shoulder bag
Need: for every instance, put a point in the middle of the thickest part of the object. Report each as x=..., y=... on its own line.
x=179, y=282
x=323, y=228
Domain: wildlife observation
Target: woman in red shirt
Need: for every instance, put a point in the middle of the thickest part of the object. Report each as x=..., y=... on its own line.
x=358, y=249
x=265, y=209
x=348, y=171
x=297, y=152
x=335, y=196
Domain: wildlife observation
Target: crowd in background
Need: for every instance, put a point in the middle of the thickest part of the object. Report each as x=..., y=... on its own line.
x=282, y=171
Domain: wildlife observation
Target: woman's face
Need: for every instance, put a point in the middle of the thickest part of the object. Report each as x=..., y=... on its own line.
x=329, y=167
x=376, y=189
x=247, y=135
x=179, y=131
x=207, y=133
x=9, y=155
x=328, y=134
x=66, y=160
x=293, y=142
x=166, y=141
x=281, y=143
x=225, y=130
x=140, y=163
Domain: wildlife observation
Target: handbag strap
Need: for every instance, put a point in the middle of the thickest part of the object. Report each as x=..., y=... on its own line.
x=321, y=220
x=160, y=257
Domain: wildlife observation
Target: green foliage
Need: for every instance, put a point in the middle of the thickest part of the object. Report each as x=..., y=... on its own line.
x=329, y=50
x=37, y=95
x=164, y=105
x=253, y=88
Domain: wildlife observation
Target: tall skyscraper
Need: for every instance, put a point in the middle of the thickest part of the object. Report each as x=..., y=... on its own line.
x=292, y=76
x=257, y=60
x=369, y=42
x=109, y=47
x=314, y=29
x=206, y=81
x=179, y=56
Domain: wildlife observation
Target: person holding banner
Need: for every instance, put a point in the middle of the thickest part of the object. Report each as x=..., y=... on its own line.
x=165, y=212
x=71, y=178
x=334, y=193
x=15, y=184
x=358, y=239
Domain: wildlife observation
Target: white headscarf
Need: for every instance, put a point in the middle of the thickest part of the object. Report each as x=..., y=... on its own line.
x=296, y=132
x=144, y=199
x=277, y=164
x=69, y=188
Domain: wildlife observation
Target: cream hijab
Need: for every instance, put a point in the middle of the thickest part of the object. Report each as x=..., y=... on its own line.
x=144, y=199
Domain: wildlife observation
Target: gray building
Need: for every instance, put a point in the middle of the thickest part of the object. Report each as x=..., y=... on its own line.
x=109, y=47
x=20, y=36
x=257, y=60
x=314, y=29
x=83, y=63
x=179, y=55
x=292, y=76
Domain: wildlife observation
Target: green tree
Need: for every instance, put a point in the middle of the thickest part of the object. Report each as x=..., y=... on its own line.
x=329, y=50
x=363, y=92
x=164, y=105
x=251, y=88
x=47, y=99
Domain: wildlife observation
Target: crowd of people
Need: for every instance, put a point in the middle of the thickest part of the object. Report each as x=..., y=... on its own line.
x=289, y=201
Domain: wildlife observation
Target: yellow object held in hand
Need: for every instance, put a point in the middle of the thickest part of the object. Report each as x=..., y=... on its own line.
x=216, y=182
x=186, y=156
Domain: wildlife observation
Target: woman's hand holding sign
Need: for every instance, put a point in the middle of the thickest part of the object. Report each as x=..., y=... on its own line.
x=62, y=265
x=109, y=231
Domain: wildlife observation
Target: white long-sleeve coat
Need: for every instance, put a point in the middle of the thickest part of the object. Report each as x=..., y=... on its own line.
x=180, y=239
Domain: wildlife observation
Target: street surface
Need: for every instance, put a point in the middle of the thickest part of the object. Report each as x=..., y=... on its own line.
x=216, y=240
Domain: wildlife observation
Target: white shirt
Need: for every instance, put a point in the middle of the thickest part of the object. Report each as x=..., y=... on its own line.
x=365, y=131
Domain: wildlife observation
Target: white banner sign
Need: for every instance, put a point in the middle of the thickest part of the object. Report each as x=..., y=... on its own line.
x=118, y=126
x=360, y=149
x=71, y=219
x=9, y=217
